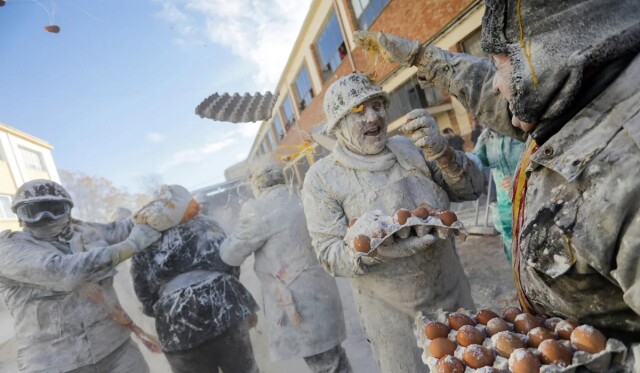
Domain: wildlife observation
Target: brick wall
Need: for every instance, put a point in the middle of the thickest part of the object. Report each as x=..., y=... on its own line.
x=414, y=19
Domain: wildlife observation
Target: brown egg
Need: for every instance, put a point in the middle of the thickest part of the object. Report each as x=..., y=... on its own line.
x=537, y=335
x=425, y=205
x=421, y=212
x=509, y=314
x=588, y=339
x=402, y=216
x=524, y=361
x=476, y=356
x=541, y=319
x=483, y=316
x=550, y=323
x=448, y=217
x=555, y=352
x=505, y=343
x=352, y=222
x=496, y=325
x=52, y=28
x=449, y=364
x=362, y=243
x=435, y=329
x=524, y=322
x=565, y=327
x=457, y=320
x=468, y=335
x=440, y=347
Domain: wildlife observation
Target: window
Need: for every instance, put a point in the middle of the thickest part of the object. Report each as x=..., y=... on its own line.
x=271, y=140
x=278, y=126
x=3, y=157
x=471, y=44
x=331, y=48
x=367, y=11
x=265, y=147
x=434, y=96
x=303, y=85
x=410, y=96
x=289, y=114
x=32, y=159
x=5, y=208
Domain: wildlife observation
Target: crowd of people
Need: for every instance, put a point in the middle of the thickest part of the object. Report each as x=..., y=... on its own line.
x=559, y=100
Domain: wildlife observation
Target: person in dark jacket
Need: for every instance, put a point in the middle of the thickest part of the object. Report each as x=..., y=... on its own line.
x=202, y=311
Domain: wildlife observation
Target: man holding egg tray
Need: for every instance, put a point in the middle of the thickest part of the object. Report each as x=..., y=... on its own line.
x=568, y=73
x=366, y=172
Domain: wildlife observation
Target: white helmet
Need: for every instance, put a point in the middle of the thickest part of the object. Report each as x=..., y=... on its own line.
x=346, y=93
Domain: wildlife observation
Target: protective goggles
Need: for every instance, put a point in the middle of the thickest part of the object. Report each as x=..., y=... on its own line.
x=35, y=212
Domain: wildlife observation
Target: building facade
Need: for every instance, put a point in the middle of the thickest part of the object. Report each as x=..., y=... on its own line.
x=22, y=158
x=324, y=51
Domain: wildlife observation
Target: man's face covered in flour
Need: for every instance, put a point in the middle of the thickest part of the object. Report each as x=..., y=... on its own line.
x=364, y=129
x=45, y=220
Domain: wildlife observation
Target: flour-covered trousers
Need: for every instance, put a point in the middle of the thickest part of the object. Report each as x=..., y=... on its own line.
x=331, y=361
x=390, y=332
x=230, y=352
x=125, y=359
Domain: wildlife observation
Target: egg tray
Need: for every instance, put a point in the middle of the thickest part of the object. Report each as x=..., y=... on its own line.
x=608, y=360
x=380, y=228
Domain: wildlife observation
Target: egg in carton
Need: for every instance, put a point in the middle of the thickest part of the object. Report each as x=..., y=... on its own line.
x=375, y=228
x=512, y=342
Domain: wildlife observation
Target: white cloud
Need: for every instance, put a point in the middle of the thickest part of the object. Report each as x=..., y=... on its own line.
x=260, y=31
x=197, y=155
x=155, y=137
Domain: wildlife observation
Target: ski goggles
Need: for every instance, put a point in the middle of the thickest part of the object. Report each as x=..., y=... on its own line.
x=34, y=212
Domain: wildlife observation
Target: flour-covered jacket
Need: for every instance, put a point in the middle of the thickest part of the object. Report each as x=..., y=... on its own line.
x=57, y=328
x=344, y=186
x=182, y=282
x=580, y=241
x=294, y=285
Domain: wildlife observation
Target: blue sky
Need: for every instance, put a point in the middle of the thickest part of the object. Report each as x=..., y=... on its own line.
x=115, y=91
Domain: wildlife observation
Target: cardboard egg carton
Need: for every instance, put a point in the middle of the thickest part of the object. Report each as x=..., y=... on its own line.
x=381, y=228
x=608, y=360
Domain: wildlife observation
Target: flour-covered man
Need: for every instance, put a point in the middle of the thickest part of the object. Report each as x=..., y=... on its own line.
x=302, y=304
x=367, y=172
x=56, y=277
x=565, y=76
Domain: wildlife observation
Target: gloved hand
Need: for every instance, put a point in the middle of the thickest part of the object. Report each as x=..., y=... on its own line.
x=425, y=133
x=392, y=47
x=363, y=261
x=139, y=238
x=405, y=247
x=142, y=236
